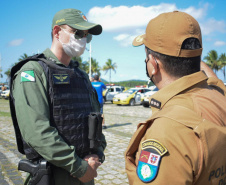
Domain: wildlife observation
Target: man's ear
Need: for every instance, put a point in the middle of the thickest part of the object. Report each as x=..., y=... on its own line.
x=154, y=64
x=56, y=30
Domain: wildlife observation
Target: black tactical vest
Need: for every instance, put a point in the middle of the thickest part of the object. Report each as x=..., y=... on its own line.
x=70, y=104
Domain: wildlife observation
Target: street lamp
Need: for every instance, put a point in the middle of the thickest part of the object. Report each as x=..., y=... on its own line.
x=90, y=50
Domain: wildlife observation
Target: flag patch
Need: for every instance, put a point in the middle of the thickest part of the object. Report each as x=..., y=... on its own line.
x=28, y=76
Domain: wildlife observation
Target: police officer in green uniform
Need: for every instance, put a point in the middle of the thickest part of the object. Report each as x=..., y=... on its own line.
x=52, y=100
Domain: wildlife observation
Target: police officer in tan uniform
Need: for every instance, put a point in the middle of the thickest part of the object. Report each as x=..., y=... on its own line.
x=184, y=141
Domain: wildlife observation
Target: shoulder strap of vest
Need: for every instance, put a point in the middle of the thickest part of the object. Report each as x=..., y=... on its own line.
x=21, y=63
x=188, y=117
x=14, y=69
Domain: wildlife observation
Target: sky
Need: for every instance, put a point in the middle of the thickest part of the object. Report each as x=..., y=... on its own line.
x=26, y=28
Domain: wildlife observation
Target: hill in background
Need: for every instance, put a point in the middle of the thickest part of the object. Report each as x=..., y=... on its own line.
x=129, y=83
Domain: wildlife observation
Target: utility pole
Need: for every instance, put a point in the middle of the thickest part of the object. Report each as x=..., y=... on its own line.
x=90, y=50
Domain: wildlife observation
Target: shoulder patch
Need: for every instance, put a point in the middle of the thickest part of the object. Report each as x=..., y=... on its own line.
x=28, y=76
x=150, y=158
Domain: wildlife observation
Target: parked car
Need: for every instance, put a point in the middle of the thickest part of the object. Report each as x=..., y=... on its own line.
x=111, y=92
x=107, y=87
x=7, y=87
x=5, y=94
x=130, y=97
x=147, y=96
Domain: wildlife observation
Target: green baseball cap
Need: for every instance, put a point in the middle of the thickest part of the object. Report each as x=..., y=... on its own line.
x=76, y=19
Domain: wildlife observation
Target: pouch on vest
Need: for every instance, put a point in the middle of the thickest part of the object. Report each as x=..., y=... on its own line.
x=95, y=129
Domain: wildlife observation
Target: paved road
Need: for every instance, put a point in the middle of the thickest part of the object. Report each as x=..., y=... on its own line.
x=121, y=122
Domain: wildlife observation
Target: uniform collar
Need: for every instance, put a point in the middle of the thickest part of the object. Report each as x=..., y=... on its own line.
x=160, y=98
x=50, y=56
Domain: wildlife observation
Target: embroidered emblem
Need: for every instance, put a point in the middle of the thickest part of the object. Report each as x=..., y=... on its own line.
x=150, y=158
x=61, y=79
x=155, y=103
x=27, y=76
x=83, y=16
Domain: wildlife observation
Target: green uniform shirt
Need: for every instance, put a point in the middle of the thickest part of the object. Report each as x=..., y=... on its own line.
x=32, y=111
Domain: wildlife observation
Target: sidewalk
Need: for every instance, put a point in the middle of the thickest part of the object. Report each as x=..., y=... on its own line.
x=121, y=122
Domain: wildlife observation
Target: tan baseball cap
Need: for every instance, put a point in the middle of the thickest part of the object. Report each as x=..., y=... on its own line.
x=76, y=19
x=166, y=33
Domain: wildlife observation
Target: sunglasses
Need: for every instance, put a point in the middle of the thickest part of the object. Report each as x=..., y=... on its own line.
x=80, y=34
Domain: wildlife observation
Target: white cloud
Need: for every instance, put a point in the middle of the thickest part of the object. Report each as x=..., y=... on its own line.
x=197, y=13
x=15, y=42
x=127, y=39
x=123, y=18
x=219, y=43
x=129, y=22
x=124, y=39
x=212, y=25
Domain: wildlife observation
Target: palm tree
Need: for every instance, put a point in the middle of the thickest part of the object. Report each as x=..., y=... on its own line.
x=95, y=68
x=212, y=60
x=8, y=72
x=23, y=57
x=82, y=65
x=222, y=59
x=108, y=67
x=1, y=76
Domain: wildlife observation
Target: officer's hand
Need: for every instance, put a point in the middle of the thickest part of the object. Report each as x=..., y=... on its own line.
x=92, y=156
x=91, y=171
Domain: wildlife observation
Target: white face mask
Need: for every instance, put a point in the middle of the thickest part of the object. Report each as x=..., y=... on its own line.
x=75, y=47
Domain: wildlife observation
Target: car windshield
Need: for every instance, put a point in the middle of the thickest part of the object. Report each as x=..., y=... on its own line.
x=131, y=91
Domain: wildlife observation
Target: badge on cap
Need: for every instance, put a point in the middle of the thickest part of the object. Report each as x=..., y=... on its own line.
x=149, y=161
x=61, y=79
x=83, y=16
x=27, y=76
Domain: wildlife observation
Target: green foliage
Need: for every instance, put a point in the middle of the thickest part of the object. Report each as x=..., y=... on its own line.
x=131, y=83
x=1, y=76
x=22, y=57
x=84, y=65
x=212, y=60
x=108, y=67
x=222, y=60
x=95, y=68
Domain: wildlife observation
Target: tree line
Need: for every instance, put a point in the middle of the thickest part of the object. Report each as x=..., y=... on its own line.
x=95, y=68
x=84, y=65
x=133, y=83
x=212, y=59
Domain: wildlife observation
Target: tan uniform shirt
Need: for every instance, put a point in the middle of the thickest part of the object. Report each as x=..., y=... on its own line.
x=186, y=154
